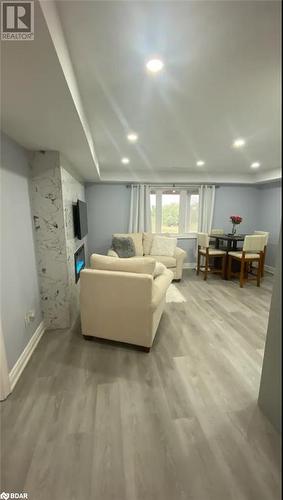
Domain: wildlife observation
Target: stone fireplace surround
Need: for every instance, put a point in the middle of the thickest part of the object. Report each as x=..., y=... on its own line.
x=54, y=190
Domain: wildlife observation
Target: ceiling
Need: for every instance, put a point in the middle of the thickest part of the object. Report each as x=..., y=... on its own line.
x=37, y=108
x=221, y=80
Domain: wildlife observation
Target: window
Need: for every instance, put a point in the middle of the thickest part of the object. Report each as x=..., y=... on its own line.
x=170, y=213
x=153, y=211
x=174, y=211
x=193, y=213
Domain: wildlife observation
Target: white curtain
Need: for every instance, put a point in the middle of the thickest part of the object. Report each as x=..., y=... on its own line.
x=140, y=219
x=206, y=208
x=5, y=387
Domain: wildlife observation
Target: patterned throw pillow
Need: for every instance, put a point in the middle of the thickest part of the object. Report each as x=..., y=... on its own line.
x=147, y=239
x=137, y=239
x=123, y=246
x=163, y=246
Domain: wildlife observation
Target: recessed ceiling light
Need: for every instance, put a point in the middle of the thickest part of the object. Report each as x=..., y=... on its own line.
x=256, y=164
x=125, y=161
x=154, y=65
x=132, y=137
x=200, y=163
x=239, y=143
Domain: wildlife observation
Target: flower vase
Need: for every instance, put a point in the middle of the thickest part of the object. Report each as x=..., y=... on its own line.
x=233, y=229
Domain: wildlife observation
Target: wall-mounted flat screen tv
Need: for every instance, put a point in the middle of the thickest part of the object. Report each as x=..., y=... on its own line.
x=80, y=219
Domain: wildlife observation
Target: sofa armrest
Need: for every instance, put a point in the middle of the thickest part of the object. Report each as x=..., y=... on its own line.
x=160, y=287
x=180, y=255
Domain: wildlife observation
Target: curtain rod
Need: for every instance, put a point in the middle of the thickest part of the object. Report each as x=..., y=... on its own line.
x=164, y=186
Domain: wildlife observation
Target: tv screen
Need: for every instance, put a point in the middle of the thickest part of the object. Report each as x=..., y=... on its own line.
x=80, y=219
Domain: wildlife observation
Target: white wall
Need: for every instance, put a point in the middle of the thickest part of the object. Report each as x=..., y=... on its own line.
x=270, y=394
x=19, y=284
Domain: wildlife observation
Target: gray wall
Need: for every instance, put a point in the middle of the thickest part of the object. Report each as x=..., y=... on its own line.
x=108, y=209
x=19, y=285
x=270, y=394
x=109, y=205
x=235, y=200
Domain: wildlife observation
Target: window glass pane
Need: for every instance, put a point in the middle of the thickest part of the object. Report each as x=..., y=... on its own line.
x=170, y=213
x=193, y=213
x=153, y=211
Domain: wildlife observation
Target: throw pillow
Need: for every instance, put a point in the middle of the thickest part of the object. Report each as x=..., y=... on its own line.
x=137, y=239
x=163, y=246
x=124, y=247
x=159, y=269
x=147, y=239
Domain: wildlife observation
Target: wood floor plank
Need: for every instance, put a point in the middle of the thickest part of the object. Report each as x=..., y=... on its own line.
x=91, y=420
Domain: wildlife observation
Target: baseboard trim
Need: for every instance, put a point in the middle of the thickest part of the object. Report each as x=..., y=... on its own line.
x=20, y=365
x=189, y=265
x=193, y=265
x=269, y=269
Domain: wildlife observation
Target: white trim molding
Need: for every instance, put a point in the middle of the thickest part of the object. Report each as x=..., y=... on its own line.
x=193, y=265
x=24, y=358
x=190, y=265
x=269, y=269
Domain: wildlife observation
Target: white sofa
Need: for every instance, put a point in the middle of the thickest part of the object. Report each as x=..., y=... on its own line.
x=143, y=243
x=121, y=300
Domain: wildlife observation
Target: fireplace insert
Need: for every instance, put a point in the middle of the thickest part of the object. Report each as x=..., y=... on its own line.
x=79, y=257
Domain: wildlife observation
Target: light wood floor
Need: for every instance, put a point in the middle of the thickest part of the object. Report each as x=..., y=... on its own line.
x=90, y=421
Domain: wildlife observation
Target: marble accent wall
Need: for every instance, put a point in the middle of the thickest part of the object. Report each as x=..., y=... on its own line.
x=53, y=192
x=72, y=190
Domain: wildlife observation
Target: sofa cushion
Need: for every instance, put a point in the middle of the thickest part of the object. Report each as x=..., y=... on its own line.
x=137, y=239
x=163, y=246
x=164, y=259
x=123, y=246
x=147, y=239
x=139, y=265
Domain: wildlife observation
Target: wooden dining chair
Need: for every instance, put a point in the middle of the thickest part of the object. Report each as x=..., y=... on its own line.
x=266, y=235
x=215, y=232
x=205, y=252
x=252, y=252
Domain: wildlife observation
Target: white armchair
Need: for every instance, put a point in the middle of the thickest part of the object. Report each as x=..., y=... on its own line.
x=121, y=300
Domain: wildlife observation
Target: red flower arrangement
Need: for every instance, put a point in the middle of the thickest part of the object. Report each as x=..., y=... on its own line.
x=236, y=219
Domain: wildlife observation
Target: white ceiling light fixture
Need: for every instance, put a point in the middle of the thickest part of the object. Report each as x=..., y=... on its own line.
x=239, y=143
x=200, y=163
x=154, y=65
x=125, y=161
x=132, y=137
x=255, y=164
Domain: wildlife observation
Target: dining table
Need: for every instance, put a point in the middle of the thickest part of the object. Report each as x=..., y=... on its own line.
x=231, y=240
